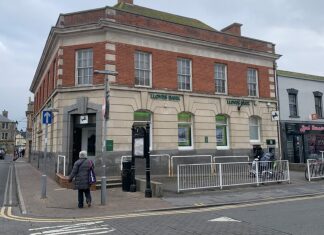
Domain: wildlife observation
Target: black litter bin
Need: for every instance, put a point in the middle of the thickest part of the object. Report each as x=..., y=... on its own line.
x=126, y=175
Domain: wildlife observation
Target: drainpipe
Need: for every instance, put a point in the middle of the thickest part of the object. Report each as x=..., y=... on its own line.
x=278, y=108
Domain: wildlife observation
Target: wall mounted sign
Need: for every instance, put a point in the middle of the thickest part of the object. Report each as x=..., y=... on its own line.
x=238, y=102
x=158, y=96
x=275, y=116
x=84, y=119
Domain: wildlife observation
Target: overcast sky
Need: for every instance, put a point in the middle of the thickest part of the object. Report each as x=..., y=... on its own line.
x=295, y=26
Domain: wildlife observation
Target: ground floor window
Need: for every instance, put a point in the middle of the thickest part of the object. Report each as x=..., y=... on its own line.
x=222, y=131
x=185, y=131
x=141, y=118
x=254, y=124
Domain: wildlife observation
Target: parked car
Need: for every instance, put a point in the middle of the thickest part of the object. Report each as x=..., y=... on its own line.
x=2, y=154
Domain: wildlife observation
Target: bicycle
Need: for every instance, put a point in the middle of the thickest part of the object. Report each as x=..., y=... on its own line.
x=274, y=173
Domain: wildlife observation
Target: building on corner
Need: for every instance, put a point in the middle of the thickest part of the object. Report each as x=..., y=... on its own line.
x=202, y=90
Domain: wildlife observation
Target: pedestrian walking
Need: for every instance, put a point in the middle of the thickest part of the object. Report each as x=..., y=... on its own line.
x=80, y=173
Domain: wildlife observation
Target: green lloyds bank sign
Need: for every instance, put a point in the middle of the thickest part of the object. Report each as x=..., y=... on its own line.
x=158, y=96
x=238, y=102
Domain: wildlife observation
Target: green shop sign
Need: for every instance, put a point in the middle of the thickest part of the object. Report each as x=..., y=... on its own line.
x=157, y=96
x=238, y=102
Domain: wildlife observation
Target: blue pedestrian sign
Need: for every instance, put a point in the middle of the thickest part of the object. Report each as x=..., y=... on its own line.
x=47, y=117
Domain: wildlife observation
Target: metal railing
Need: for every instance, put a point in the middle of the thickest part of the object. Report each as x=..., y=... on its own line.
x=219, y=175
x=210, y=157
x=315, y=169
x=247, y=158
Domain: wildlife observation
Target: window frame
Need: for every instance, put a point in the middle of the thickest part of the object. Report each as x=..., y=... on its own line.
x=151, y=124
x=85, y=67
x=258, y=129
x=5, y=125
x=256, y=82
x=143, y=69
x=293, y=93
x=184, y=75
x=224, y=66
x=226, y=125
x=318, y=108
x=191, y=147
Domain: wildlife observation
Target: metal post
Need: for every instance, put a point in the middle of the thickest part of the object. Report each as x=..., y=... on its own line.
x=103, y=177
x=133, y=182
x=43, y=179
x=148, y=190
x=105, y=118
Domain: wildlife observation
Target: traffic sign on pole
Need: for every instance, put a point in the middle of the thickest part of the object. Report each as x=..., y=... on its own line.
x=47, y=117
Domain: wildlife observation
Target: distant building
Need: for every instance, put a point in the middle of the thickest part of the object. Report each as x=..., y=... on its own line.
x=7, y=132
x=203, y=91
x=21, y=139
x=301, y=115
x=29, y=127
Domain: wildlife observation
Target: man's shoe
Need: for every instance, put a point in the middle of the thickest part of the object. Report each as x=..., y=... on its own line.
x=89, y=203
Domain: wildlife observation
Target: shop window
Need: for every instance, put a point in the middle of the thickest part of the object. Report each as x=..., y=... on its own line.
x=84, y=67
x=252, y=80
x=184, y=74
x=143, y=69
x=254, y=125
x=293, y=102
x=222, y=132
x=318, y=103
x=220, y=78
x=185, y=134
x=141, y=118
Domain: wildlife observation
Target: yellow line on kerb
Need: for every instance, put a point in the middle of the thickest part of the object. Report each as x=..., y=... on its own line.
x=8, y=214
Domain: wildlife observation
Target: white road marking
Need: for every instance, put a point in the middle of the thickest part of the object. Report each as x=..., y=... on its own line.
x=92, y=227
x=224, y=219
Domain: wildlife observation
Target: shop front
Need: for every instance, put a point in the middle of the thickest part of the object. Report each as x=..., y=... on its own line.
x=302, y=141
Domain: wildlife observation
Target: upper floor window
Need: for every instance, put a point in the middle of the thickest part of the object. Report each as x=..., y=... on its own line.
x=4, y=136
x=222, y=131
x=5, y=125
x=252, y=79
x=220, y=78
x=184, y=74
x=293, y=102
x=84, y=67
x=185, y=134
x=254, y=124
x=143, y=69
x=318, y=103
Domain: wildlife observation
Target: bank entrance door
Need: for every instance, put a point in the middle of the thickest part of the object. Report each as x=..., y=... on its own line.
x=84, y=135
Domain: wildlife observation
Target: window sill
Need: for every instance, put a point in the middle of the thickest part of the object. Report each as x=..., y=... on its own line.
x=255, y=141
x=294, y=116
x=184, y=90
x=185, y=148
x=222, y=147
x=139, y=86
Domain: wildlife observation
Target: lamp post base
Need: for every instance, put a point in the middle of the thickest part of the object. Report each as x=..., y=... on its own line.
x=148, y=192
x=132, y=188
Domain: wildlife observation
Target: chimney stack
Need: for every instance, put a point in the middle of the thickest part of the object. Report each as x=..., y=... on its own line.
x=126, y=1
x=5, y=113
x=234, y=29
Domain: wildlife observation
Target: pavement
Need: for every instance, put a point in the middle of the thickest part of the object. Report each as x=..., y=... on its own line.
x=62, y=203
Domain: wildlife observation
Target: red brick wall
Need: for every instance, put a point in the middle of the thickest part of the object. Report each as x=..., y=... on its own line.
x=164, y=65
x=68, y=78
x=127, y=18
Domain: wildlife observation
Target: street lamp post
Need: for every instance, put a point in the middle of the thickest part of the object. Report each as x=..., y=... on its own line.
x=105, y=119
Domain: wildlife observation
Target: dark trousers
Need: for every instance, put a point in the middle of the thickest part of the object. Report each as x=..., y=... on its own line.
x=87, y=194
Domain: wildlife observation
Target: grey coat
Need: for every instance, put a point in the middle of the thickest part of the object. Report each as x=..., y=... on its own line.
x=80, y=172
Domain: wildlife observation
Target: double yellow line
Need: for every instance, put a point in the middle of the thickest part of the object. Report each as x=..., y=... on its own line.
x=6, y=212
